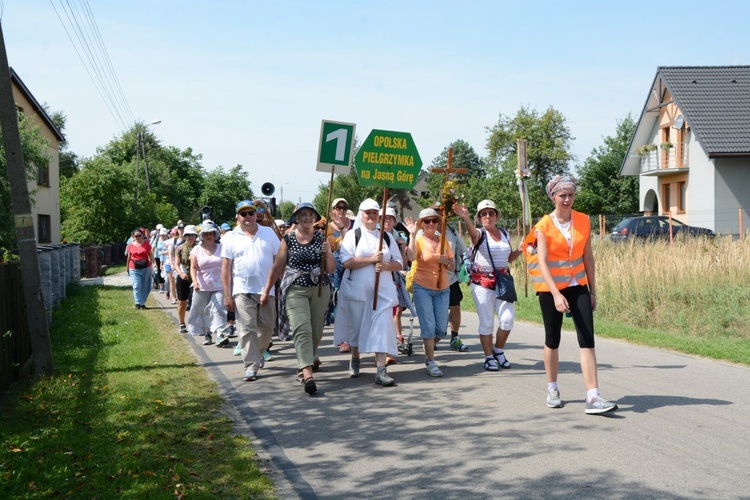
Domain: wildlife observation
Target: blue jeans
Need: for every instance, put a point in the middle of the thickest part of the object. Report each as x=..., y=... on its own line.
x=141, y=279
x=432, y=311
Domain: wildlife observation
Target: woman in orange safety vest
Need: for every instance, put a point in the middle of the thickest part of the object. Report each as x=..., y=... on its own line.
x=561, y=265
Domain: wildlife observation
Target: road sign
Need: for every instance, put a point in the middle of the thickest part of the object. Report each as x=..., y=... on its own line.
x=388, y=159
x=336, y=145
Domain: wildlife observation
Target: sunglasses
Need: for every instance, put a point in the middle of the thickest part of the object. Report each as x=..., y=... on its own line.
x=247, y=213
x=430, y=221
x=260, y=210
x=341, y=207
x=137, y=236
x=487, y=214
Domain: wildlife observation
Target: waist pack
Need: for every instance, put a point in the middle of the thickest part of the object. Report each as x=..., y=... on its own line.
x=140, y=264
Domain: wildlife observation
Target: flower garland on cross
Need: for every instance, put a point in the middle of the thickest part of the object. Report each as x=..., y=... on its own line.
x=449, y=197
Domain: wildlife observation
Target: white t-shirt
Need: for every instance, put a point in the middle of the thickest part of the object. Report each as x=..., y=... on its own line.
x=252, y=258
x=500, y=253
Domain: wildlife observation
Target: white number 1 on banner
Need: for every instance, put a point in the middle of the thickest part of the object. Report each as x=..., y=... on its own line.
x=339, y=135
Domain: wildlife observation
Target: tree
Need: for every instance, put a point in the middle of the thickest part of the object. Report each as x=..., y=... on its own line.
x=176, y=175
x=222, y=190
x=286, y=209
x=68, y=160
x=548, y=152
x=34, y=148
x=464, y=156
x=603, y=190
x=96, y=204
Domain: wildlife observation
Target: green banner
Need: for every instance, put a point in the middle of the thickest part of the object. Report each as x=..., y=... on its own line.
x=388, y=159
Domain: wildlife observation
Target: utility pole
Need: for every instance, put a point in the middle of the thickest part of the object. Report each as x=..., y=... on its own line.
x=41, y=347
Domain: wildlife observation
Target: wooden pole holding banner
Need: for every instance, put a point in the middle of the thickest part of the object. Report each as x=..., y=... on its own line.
x=380, y=246
x=521, y=174
x=328, y=226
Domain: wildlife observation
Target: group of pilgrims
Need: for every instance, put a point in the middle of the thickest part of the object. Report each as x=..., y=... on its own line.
x=362, y=271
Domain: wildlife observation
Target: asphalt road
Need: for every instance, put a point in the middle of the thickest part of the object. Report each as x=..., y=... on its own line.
x=681, y=430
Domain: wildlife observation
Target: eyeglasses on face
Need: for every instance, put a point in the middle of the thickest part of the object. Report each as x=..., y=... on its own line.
x=260, y=210
x=488, y=213
x=430, y=221
x=137, y=236
x=190, y=236
x=341, y=207
x=247, y=213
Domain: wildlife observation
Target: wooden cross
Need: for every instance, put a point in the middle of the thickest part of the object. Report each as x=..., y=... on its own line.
x=448, y=171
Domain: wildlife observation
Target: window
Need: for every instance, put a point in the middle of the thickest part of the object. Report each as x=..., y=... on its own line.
x=682, y=197
x=43, y=228
x=666, y=205
x=42, y=175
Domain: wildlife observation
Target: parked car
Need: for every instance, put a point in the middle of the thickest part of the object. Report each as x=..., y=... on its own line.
x=654, y=227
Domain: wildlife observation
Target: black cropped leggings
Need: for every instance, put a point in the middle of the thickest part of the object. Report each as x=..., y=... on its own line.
x=579, y=300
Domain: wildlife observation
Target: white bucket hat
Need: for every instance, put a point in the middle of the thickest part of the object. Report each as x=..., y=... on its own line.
x=487, y=204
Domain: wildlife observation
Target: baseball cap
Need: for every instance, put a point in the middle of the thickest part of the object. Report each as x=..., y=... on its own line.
x=339, y=200
x=244, y=204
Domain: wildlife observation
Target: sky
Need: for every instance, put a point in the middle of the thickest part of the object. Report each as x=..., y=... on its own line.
x=248, y=82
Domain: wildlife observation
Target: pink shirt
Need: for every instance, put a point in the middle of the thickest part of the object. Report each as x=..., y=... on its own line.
x=209, y=268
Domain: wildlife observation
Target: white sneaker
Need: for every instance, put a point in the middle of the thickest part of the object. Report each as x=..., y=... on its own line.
x=249, y=375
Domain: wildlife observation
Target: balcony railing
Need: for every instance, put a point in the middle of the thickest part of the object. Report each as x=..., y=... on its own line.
x=676, y=157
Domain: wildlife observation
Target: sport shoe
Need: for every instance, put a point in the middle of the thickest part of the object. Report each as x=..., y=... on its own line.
x=382, y=378
x=222, y=341
x=433, y=370
x=553, y=399
x=231, y=331
x=354, y=368
x=267, y=356
x=207, y=339
x=599, y=405
x=238, y=350
x=249, y=375
x=490, y=364
x=458, y=345
x=183, y=328
x=502, y=361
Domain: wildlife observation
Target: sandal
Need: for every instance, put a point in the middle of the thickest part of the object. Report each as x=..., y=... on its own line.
x=300, y=377
x=310, y=386
x=491, y=364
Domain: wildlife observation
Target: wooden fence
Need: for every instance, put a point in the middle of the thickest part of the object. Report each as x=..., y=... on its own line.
x=15, y=347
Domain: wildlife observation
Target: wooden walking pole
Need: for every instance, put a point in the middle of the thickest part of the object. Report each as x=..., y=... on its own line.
x=328, y=226
x=380, y=246
x=448, y=170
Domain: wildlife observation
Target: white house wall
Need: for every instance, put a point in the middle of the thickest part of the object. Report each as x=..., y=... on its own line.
x=732, y=191
x=700, y=187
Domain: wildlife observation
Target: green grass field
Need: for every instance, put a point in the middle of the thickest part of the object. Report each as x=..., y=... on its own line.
x=127, y=413
x=692, y=297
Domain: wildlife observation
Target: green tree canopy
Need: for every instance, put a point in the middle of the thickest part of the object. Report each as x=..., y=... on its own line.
x=548, y=152
x=222, y=190
x=96, y=204
x=603, y=190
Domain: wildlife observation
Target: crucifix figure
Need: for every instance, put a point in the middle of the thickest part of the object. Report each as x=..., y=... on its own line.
x=447, y=203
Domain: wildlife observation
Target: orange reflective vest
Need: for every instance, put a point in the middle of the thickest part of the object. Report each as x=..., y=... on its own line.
x=564, y=263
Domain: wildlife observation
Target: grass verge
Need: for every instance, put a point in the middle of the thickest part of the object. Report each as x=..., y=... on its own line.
x=725, y=347
x=127, y=413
